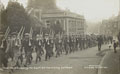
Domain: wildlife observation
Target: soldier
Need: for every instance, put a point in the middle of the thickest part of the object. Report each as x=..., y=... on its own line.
x=10, y=50
x=58, y=46
x=51, y=45
x=111, y=39
x=83, y=43
x=27, y=48
x=47, y=47
x=14, y=51
x=70, y=44
x=80, y=43
x=3, y=54
x=39, y=47
x=77, y=42
x=66, y=44
x=88, y=41
x=2, y=58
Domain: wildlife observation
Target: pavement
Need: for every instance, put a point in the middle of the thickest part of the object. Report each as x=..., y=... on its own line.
x=80, y=62
x=111, y=62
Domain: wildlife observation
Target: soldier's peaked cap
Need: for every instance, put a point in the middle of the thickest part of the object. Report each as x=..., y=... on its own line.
x=37, y=35
x=46, y=34
x=13, y=33
x=26, y=34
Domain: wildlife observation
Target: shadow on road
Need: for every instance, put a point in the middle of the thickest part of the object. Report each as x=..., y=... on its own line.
x=102, y=53
x=81, y=57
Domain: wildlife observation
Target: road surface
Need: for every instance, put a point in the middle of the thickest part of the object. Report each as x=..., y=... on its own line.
x=79, y=62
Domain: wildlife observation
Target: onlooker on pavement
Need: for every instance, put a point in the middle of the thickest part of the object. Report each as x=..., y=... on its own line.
x=100, y=42
x=115, y=44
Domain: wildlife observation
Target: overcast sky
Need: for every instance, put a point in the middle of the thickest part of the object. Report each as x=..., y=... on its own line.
x=93, y=10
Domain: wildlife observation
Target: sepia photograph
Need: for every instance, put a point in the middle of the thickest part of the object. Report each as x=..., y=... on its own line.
x=59, y=36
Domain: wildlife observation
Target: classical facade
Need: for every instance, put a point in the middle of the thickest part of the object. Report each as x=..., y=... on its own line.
x=72, y=23
x=49, y=14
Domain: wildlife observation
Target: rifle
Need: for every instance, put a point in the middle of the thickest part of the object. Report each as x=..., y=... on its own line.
x=5, y=36
x=30, y=36
x=7, y=32
x=21, y=37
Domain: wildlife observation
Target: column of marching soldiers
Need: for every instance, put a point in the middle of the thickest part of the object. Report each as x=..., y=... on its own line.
x=18, y=47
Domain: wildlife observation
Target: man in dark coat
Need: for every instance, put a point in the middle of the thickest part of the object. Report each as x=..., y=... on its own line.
x=115, y=44
x=100, y=42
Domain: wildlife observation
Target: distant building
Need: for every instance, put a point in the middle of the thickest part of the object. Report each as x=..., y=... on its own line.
x=110, y=26
x=49, y=13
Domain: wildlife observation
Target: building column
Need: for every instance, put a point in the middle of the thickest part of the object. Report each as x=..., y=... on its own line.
x=67, y=23
x=75, y=27
x=64, y=24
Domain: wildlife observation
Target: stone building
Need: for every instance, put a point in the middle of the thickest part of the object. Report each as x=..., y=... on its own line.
x=48, y=12
x=110, y=26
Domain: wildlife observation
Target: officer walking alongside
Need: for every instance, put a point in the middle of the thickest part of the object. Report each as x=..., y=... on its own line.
x=100, y=42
